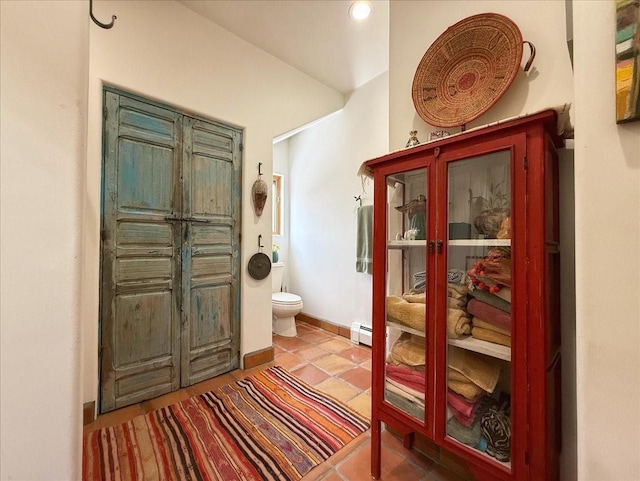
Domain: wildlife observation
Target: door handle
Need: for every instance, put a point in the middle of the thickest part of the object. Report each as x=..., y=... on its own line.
x=439, y=244
x=431, y=246
x=187, y=219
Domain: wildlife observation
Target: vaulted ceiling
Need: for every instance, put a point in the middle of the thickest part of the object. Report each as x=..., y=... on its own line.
x=315, y=36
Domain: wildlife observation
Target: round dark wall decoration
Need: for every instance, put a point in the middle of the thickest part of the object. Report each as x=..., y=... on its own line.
x=467, y=69
x=259, y=266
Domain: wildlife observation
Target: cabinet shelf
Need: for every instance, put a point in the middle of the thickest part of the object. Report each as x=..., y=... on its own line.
x=401, y=327
x=483, y=347
x=483, y=454
x=480, y=242
x=405, y=244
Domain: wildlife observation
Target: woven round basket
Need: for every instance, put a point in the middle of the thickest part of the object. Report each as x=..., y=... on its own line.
x=467, y=69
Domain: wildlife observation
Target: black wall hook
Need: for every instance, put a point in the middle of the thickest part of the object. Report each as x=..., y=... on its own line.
x=98, y=22
x=259, y=168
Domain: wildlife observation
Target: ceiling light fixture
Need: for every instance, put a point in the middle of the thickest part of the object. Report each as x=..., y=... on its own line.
x=360, y=10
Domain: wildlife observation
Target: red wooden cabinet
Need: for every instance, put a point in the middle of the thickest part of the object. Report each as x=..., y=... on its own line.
x=466, y=314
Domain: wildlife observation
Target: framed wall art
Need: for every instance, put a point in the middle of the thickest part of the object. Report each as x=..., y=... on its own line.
x=627, y=60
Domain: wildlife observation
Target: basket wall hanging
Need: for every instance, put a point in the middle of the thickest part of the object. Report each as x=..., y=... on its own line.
x=467, y=69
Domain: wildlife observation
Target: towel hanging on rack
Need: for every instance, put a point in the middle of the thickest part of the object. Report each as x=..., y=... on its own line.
x=364, y=239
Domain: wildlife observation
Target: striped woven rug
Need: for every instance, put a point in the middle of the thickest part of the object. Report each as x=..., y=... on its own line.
x=269, y=426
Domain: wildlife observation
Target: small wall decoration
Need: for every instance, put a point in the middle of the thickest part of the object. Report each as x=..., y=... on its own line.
x=627, y=60
x=259, y=192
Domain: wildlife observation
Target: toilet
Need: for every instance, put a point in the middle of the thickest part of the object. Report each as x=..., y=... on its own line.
x=284, y=305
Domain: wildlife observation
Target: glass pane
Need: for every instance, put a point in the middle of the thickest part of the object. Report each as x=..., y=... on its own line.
x=405, y=301
x=479, y=304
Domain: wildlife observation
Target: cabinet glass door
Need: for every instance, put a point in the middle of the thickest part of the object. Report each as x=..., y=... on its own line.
x=405, y=304
x=478, y=304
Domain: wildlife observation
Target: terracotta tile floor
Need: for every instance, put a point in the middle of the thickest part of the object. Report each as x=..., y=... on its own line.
x=336, y=366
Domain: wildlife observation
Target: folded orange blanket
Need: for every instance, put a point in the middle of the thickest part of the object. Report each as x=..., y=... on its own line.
x=408, y=349
x=483, y=371
x=458, y=323
x=419, y=298
x=477, y=322
x=491, y=336
x=470, y=391
x=411, y=314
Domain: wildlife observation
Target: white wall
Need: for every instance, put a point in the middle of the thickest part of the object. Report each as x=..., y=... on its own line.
x=550, y=84
x=43, y=109
x=324, y=162
x=414, y=26
x=164, y=51
x=607, y=182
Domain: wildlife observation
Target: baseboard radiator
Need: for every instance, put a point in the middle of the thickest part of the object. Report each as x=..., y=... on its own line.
x=361, y=334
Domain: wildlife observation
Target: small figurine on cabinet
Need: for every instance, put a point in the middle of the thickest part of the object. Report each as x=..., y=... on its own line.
x=438, y=134
x=413, y=140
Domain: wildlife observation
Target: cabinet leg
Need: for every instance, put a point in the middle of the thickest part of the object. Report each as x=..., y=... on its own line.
x=407, y=440
x=376, y=448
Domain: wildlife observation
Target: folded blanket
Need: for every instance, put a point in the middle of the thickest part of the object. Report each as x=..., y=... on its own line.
x=470, y=435
x=403, y=403
x=456, y=303
x=469, y=390
x=458, y=323
x=467, y=435
x=457, y=291
x=477, y=322
x=407, y=376
x=412, y=394
x=407, y=349
x=411, y=314
x=504, y=293
x=460, y=404
x=492, y=299
x=453, y=375
x=489, y=314
x=461, y=418
x=482, y=370
x=420, y=298
x=464, y=411
x=491, y=336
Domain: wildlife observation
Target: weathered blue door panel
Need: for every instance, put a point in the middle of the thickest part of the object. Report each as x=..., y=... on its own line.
x=211, y=181
x=140, y=295
x=170, y=300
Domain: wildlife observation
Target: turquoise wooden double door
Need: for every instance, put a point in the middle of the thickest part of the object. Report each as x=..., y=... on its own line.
x=170, y=250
